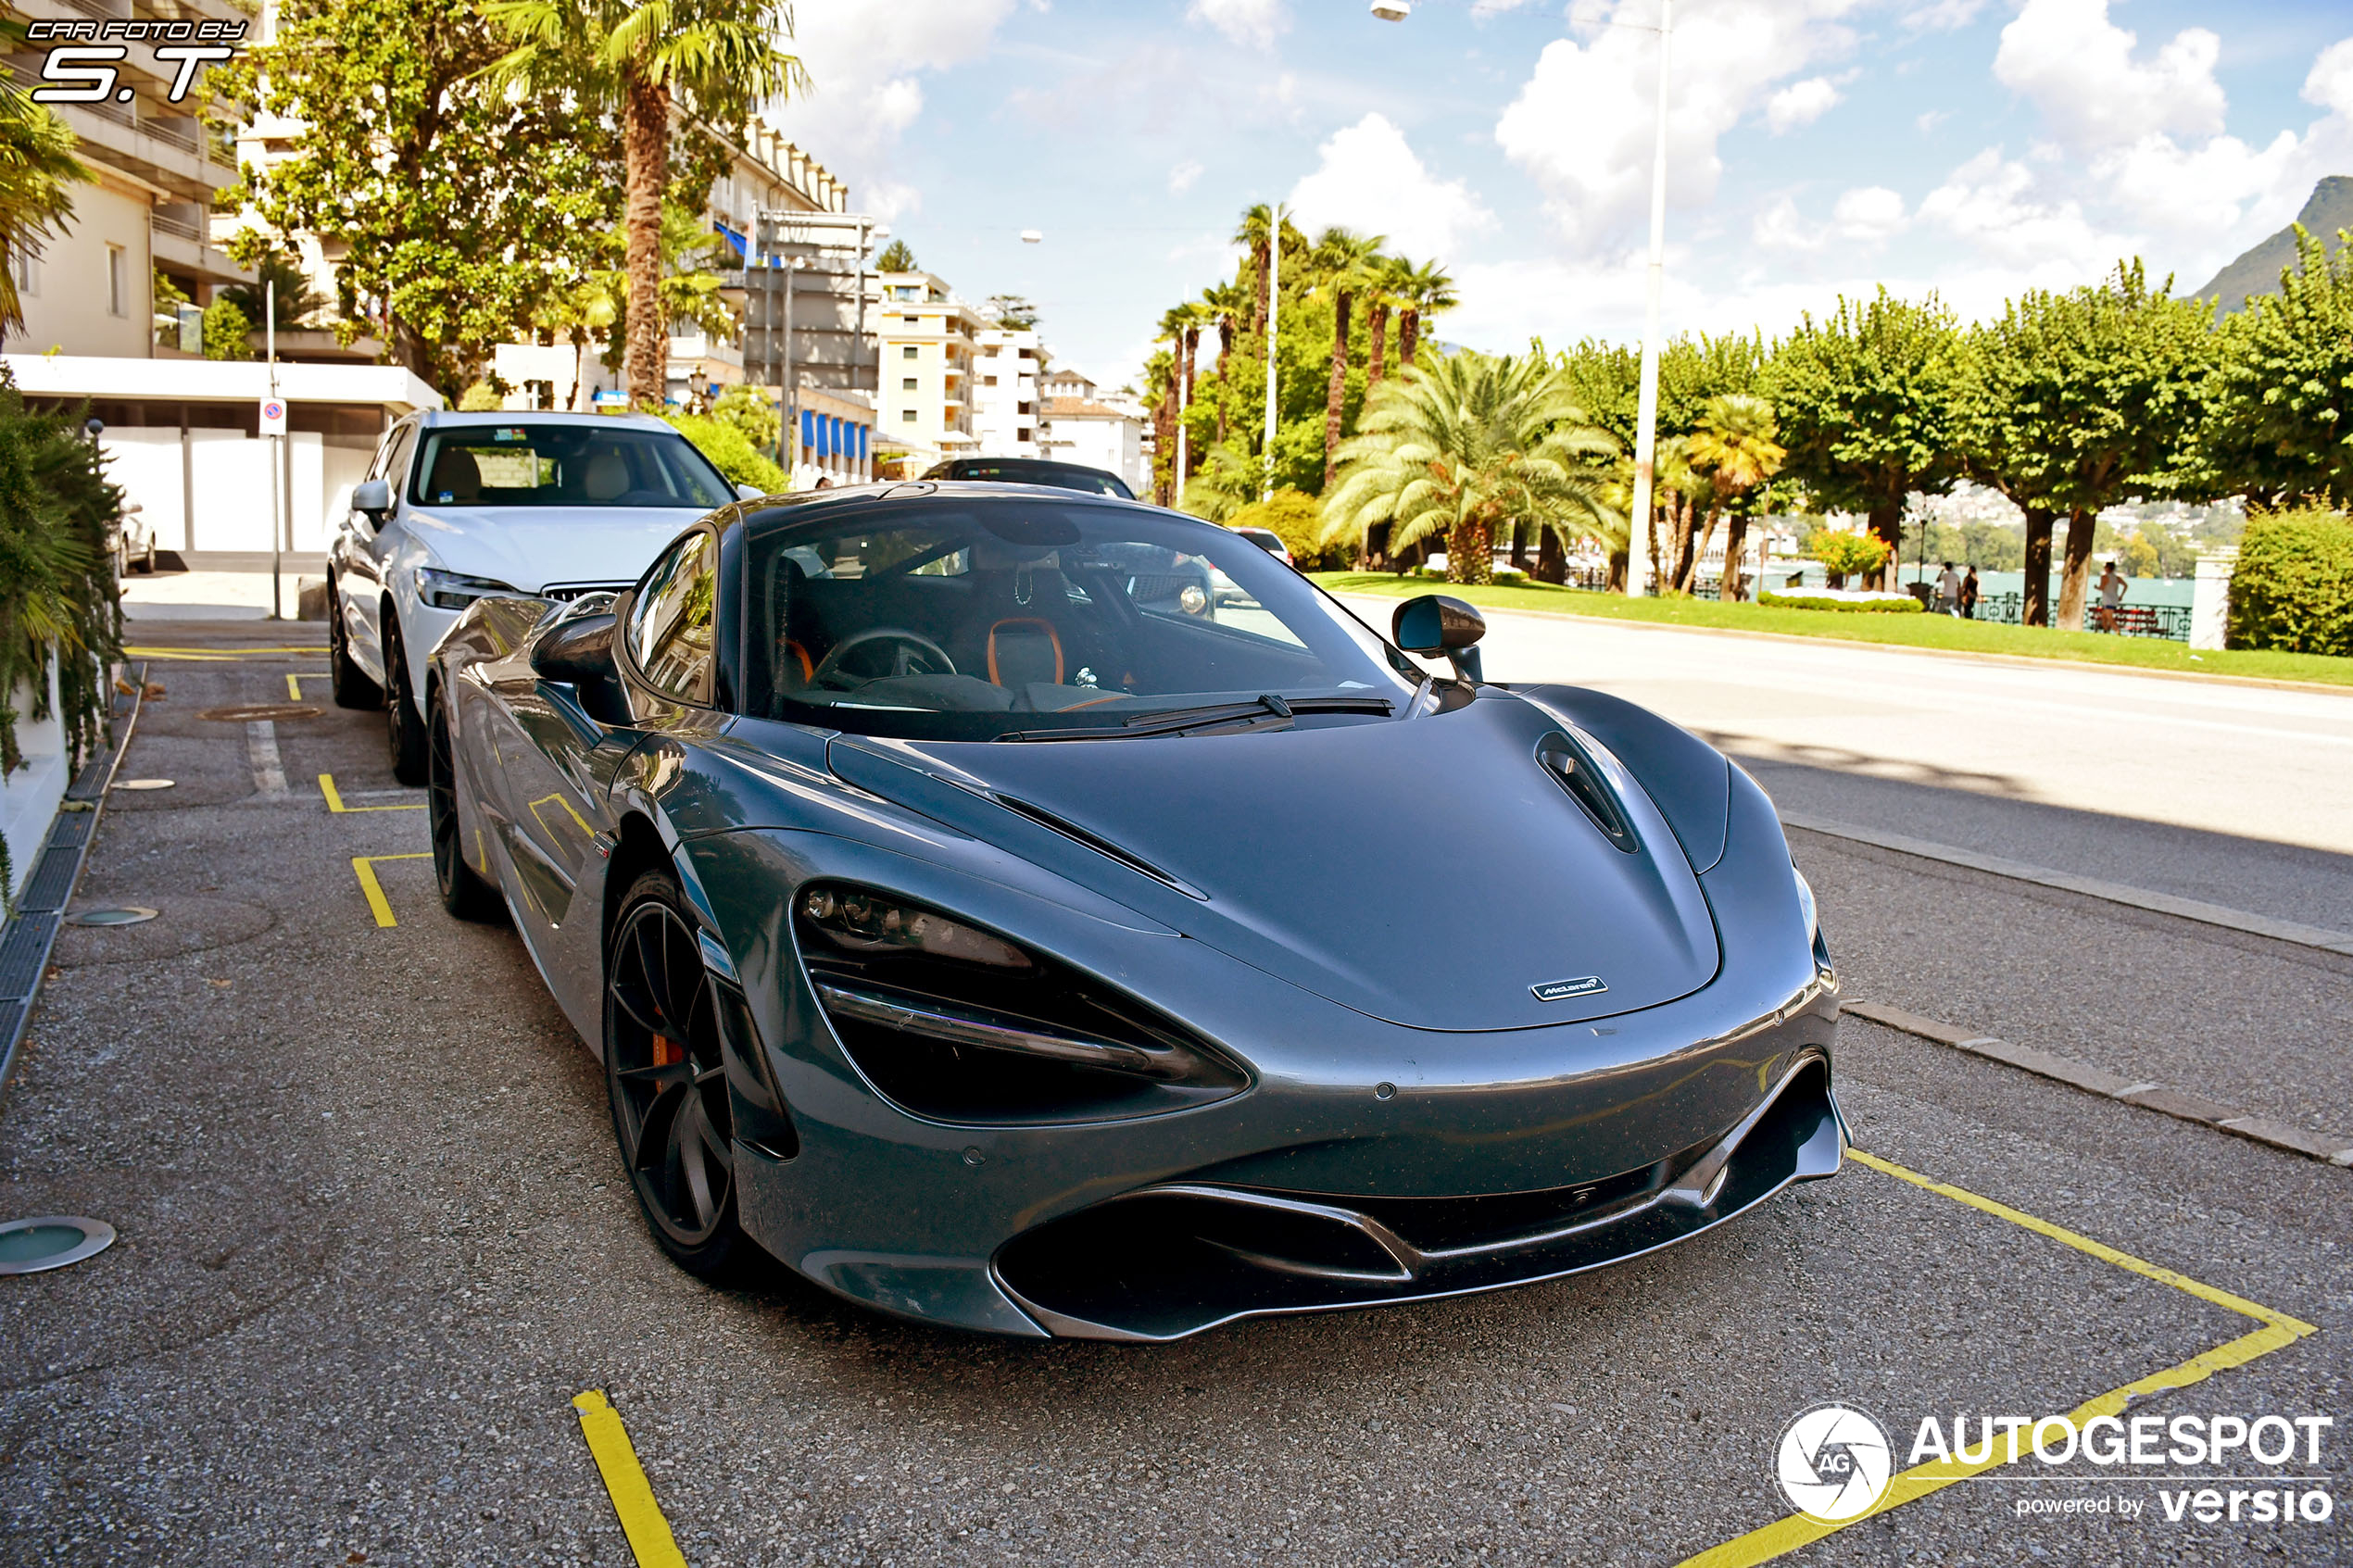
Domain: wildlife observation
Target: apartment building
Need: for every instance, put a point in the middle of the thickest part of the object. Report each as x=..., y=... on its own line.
x=1085, y=425
x=91, y=291
x=1008, y=409
x=928, y=339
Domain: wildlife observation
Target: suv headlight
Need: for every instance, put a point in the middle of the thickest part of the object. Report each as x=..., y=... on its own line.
x=452, y=590
x=958, y=1024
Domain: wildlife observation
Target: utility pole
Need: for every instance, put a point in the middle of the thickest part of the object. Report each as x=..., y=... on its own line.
x=1638, y=554
x=1273, y=302
x=277, y=456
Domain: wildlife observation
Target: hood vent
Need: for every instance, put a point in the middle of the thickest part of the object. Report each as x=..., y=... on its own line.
x=1572, y=768
x=1103, y=847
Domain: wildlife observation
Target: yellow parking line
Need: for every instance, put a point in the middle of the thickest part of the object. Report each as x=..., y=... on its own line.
x=2279, y=1330
x=217, y=656
x=650, y=1542
x=335, y=797
x=294, y=678
x=365, y=866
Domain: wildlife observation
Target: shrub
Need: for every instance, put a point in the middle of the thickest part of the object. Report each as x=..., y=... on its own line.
x=1903, y=606
x=480, y=398
x=1294, y=517
x=2293, y=590
x=748, y=410
x=1846, y=555
x=225, y=327
x=731, y=452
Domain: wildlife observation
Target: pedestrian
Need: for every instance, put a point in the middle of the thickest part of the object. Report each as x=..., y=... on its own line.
x=2111, y=597
x=1948, y=591
x=1969, y=594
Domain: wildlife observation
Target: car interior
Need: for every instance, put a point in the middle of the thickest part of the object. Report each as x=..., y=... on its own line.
x=557, y=465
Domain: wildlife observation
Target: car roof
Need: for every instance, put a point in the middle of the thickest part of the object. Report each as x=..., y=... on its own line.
x=771, y=514
x=435, y=419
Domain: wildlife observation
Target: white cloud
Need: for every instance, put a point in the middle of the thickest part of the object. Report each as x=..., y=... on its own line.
x=1943, y=16
x=2078, y=68
x=2331, y=81
x=1583, y=124
x=1181, y=178
x=2197, y=190
x=1368, y=178
x=1254, y=24
x=1783, y=227
x=865, y=98
x=1801, y=103
x=1992, y=204
x=1868, y=215
x=1865, y=217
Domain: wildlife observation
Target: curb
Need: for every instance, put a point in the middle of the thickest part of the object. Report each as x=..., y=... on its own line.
x=25, y=944
x=2014, y=660
x=2180, y=1103
x=2321, y=938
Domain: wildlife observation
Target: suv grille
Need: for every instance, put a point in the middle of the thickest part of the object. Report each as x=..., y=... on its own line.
x=564, y=592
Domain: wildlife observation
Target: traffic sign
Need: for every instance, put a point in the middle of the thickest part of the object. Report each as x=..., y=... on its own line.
x=273, y=416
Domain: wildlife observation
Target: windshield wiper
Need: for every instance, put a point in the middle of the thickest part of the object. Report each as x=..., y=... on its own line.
x=1267, y=711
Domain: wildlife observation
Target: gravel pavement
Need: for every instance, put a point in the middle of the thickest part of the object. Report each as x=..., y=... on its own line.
x=375, y=1237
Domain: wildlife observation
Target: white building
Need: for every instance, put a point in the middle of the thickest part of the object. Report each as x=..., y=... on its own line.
x=1085, y=425
x=1008, y=409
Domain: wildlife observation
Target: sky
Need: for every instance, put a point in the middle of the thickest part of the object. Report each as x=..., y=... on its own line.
x=1971, y=147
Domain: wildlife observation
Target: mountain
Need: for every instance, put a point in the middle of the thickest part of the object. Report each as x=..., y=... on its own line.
x=2258, y=270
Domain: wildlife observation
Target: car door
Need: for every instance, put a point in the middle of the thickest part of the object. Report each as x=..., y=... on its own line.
x=360, y=551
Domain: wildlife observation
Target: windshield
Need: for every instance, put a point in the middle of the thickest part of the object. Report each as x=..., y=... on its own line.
x=957, y=618
x=565, y=465
x=1031, y=470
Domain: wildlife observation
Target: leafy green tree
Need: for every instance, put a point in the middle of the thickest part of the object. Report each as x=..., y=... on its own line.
x=1470, y=443
x=644, y=60
x=2075, y=401
x=897, y=256
x=458, y=208
x=1866, y=403
x=2282, y=394
x=1846, y=555
x=225, y=331
x=296, y=300
x=750, y=411
x=38, y=172
x=730, y=451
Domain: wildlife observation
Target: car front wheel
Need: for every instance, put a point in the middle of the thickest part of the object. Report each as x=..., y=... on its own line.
x=464, y=893
x=404, y=734
x=345, y=678
x=668, y=1080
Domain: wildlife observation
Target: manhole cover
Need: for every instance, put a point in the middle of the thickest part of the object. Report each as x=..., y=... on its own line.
x=143, y=784
x=129, y=915
x=27, y=1247
x=256, y=711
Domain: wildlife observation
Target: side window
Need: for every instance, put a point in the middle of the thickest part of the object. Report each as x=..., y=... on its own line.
x=670, y=633
x=396, y=468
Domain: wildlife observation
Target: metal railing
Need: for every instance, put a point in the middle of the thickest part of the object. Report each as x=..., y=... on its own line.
x=181, y=227
x=2139, y=620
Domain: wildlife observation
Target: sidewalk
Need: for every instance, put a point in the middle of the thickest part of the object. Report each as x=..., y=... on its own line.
x=221, y=585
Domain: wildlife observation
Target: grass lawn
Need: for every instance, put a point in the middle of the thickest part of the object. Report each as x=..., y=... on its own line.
x=1904, y=631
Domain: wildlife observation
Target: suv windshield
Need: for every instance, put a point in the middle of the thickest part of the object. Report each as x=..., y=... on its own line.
x=956, y=618
x=563, y=465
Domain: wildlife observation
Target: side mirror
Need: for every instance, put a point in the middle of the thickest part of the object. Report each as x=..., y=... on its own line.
x=1434, y=624
x=577, y=652
x=372, y=497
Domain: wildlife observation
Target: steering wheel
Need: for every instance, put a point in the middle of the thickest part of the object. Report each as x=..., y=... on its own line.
x=908, y=646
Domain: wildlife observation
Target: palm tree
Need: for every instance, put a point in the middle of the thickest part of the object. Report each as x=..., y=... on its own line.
x=1734, y=448
x=1464, y=446
x=646, y=58
x=1254, y=231
x=1381, y=298
x=37, y=169
x=1423, y=289
x=1225, y=303
x=1345, y=261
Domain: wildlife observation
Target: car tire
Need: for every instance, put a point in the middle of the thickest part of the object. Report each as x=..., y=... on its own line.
x=666, y=1077
x=404, y=734
x=464, y=891
x=345, y=678
x=150, y=567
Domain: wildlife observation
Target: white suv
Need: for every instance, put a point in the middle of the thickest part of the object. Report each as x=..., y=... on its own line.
x=461, y=506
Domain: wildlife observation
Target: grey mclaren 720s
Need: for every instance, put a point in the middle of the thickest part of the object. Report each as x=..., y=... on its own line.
x=1000, y=935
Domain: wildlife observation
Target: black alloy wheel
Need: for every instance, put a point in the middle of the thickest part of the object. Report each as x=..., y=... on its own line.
x=668, y=1079
x=464, y=891
x=404, y=736
x=345, y=678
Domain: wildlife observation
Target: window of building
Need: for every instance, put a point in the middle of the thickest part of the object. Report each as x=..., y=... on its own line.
x=909, y=351
x=990, y=351
x=912, y=321
x=908, y=416
x=117, y=282
x=1029, y=353
x=1026, y=408
x=1020, y=433
x=27, y=268
x=906, y=384
x=989, y=381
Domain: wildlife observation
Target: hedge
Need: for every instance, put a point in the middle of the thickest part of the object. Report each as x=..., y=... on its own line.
x=731, y=452
x=1905, y=606
x=2293, y=590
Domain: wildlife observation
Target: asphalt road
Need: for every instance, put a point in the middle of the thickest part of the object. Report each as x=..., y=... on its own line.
x=375, y=1238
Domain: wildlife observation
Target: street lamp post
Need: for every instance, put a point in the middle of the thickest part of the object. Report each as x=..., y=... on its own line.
x=1638, y=554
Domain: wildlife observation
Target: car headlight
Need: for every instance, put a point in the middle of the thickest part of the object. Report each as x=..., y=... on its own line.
x=958, y=1024
x=452, y=590
x=1813, y=921
x=1190, y=599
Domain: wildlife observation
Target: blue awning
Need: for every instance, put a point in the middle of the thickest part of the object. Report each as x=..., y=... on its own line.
x=731, y=237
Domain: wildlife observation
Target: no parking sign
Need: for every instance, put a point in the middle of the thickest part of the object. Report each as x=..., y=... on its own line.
x=273, y=416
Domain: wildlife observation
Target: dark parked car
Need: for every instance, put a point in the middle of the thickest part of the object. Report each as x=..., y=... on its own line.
x=1033, y=470
x=885, y=848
